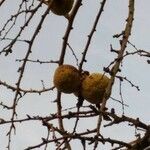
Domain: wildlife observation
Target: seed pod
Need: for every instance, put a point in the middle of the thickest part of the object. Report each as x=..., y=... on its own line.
x=67, y=79
x=93, y=87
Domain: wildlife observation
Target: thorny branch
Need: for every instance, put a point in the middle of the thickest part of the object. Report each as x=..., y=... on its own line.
x=61, y=60
x=22, y=68
x=115, y=68
x=58, y=134
x=91, y=34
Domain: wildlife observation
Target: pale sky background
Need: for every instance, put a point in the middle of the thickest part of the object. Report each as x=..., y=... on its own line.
x=48, y=45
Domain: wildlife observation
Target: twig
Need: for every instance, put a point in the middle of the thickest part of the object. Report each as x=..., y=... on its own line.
x=91, y=34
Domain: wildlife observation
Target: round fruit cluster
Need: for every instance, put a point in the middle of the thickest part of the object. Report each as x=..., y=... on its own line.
x=60, y=7
x=67, y=79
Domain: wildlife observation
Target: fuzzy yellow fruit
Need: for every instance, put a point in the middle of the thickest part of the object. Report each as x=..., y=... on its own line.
x=61, y=7
x=93, y=87
x=67, y=79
